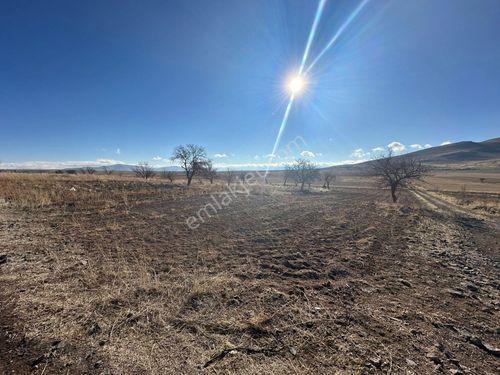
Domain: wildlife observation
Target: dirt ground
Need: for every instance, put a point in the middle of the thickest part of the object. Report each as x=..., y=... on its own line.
x=103, y=276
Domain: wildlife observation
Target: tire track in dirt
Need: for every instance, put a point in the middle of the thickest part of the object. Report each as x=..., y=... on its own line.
x=471, y=219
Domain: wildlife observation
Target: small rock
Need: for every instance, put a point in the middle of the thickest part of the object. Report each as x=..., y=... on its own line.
x=58, y=344
x=472, y=287
x=409, y=362
x=485, y=346
x=95, y=329
x=376, y=362
x=434, y=357
x=491, y=349
x=405, y=283
x=456, y=293
x=38, y=360
x=195, y=303
x=293, y=351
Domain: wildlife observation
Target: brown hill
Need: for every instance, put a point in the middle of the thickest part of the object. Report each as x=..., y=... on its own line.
x=460, y=155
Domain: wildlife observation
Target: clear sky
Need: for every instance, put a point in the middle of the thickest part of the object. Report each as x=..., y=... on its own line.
x=129, y=80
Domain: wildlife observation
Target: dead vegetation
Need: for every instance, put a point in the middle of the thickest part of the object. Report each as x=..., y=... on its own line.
x=398, y=172
x=107, y=278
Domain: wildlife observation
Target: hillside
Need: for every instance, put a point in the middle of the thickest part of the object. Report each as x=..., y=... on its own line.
x=460, y=155
x=461, y=152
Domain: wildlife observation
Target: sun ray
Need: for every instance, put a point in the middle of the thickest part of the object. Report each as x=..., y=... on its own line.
x=332, y=41
x=284, y=121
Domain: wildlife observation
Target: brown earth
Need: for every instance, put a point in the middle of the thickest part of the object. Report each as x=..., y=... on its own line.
x=108, y=278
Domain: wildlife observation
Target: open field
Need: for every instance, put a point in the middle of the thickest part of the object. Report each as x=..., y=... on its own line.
x=103, y=276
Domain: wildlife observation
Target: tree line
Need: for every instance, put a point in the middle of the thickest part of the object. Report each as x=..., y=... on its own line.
x=393, y=172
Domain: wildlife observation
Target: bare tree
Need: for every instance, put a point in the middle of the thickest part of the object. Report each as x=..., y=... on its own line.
x=288, y=174
x=192, y=159
x=209, y=171
x=398, y=172
x=90, y=170
x=242, y=175
x=327, y=178
x=229, y=176
x=305, y=172
x=107, y=171
x=168, y=175
x=144, y=170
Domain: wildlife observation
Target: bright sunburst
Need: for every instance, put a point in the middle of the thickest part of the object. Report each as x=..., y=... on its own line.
x=296, y=84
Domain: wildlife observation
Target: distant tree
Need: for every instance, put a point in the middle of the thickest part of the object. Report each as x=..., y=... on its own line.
x=144, y=170
x=70, y=171
x=209, y=171
x=169, y=175
x=107, y=171
x=288, y=174
x=327, y=178
x=229, y=176
x=463, y=194
x=192, y=159
x=90, y=170
x=305, y=172
x=242, y=175
x=398, y=172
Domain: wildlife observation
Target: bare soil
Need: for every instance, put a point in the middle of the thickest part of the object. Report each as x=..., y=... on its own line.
x=109, y=279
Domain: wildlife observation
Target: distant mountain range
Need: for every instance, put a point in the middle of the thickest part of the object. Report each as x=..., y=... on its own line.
x=126, y=168
x=460, y=155
x=461, y=152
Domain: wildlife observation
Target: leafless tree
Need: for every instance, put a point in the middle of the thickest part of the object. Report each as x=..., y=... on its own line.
x=192, y=159
x=144, y=170
x=288, y=174
x=168, y=175
x=90, y=170
x=107, y=171
x=209, y=171
x=305, y=172
x=463, y=194
x=328, y=178
x=242, y=175
x=229, y=176
x=398, y=172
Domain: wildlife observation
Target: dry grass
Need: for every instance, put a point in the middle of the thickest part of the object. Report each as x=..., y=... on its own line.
x=279, y=282
x=479, y=202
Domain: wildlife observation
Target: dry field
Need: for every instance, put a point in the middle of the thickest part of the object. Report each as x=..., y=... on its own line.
x=103, y=276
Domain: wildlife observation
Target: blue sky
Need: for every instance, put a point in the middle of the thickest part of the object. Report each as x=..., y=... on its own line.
x=128, y=81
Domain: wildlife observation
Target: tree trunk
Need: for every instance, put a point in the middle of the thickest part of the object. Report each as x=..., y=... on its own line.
x=302, y=187
x=189, y=180
x=393, y=194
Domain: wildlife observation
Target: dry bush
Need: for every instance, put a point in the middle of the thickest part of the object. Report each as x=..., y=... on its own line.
x=144, y=170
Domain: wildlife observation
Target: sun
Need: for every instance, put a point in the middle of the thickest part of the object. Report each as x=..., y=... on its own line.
x=296, y=84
